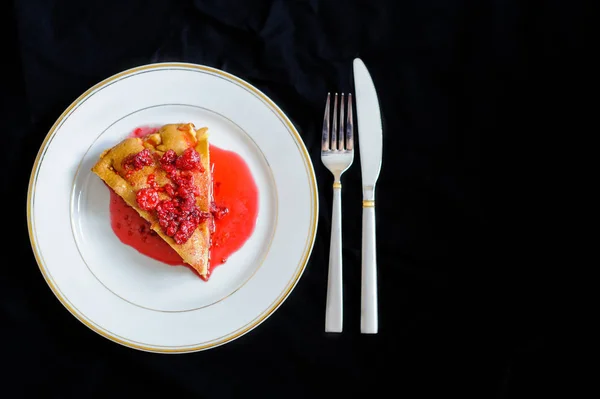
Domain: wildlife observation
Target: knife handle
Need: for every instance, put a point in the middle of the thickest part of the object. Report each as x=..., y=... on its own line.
x=368, y=308
x=334, y=306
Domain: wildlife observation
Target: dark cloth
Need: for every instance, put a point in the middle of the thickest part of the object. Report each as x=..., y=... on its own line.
x=470, y=93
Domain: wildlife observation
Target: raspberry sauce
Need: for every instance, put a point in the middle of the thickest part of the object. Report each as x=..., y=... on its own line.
x=143, y=131
x=234, y=190
x=134, y=231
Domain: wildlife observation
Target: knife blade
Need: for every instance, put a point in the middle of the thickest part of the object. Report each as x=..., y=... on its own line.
x=369, y=128
x=370, y=140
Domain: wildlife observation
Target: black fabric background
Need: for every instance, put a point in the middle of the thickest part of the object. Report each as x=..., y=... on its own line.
x=471, y=92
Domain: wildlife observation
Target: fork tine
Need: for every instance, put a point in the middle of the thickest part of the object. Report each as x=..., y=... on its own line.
x=349, y=126
x=325, y=137
x=335, y=123
x=341, y=131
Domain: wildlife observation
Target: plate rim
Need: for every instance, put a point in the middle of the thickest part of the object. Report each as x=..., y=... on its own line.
x=260, y=317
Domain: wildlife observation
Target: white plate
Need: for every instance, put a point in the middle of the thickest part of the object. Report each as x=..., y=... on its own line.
x=135, y=300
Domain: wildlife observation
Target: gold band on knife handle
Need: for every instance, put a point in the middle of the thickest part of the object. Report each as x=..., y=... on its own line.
x=337, y=184
x=368, y=204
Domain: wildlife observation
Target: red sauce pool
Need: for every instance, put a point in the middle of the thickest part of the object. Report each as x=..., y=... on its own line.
x=134, y=231
x=233, y=188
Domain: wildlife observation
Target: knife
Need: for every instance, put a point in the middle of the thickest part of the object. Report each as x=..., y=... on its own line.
x=370, y=143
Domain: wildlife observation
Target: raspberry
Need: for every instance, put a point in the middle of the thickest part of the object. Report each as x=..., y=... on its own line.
x=172, y=229
x=168, y=158
x=151, y=181
x=147, y=198
x=179, y=217
x=138, y=161
x=169, y=189
x=186, y=229
x=190, y=159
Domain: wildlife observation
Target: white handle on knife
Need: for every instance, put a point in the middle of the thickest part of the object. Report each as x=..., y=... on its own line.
x=334, y=306
x=368, y=305
x=371, y=154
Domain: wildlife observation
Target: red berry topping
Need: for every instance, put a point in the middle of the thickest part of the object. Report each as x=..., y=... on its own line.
x=138, y=161
x=190, y=159
x=180, y=216
x=151, y=181
x=147, y=198
x=169, y=189
x=186, y=229
x=168, y=158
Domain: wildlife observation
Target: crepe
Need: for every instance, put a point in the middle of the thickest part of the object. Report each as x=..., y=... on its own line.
x=161, y=176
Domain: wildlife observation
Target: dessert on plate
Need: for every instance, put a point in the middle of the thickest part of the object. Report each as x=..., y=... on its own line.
x=165, y=176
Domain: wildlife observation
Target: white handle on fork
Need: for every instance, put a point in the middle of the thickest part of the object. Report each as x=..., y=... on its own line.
x=368, y=304
x=334, y=307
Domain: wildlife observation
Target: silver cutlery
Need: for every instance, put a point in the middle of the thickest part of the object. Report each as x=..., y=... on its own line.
x=337, y=154
x=370, y=139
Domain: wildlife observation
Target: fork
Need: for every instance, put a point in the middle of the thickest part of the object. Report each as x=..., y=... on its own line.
x=337, y=154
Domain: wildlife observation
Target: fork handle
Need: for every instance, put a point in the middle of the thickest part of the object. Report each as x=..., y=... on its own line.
x=368, y=308
x=334, y=306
